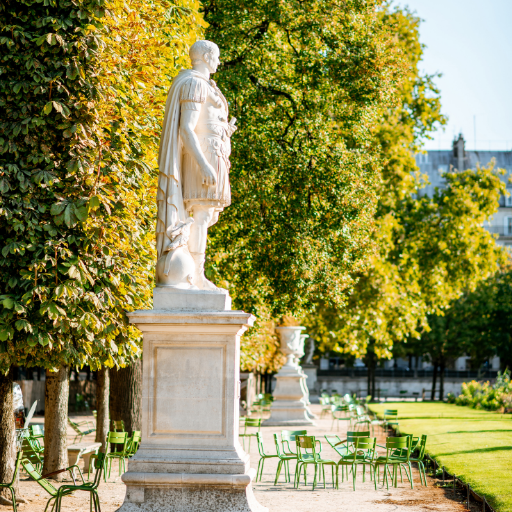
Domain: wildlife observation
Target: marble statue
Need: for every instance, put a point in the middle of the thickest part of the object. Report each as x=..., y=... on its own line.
x=193, y=184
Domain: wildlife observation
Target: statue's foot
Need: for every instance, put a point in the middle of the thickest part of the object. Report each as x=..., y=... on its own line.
x=199, y=279
x=208, y=285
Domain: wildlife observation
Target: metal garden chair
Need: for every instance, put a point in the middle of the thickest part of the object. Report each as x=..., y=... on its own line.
x=116, y=438
x=263, y=456
x=394, y=445
x=284, y=460
x=363, y=454
x=80, y=434
x=10, y=485
x=307, y=453
x=250, y=423
x=340, y=413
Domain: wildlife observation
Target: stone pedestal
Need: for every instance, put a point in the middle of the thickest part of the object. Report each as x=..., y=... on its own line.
x=190, y=458
x=289, y=408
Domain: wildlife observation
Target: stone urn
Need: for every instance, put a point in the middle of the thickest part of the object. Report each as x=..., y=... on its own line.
x=290, y=338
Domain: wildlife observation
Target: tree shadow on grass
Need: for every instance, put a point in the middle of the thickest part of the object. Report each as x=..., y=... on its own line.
x=477, y=450
x=476, y=431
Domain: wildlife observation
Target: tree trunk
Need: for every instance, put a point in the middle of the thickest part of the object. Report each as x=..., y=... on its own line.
x=126, y=395
x=373, y=381
x=56, y=398
x=434, y=382
x=7, y=431
x=441, y=380
x=102, y=406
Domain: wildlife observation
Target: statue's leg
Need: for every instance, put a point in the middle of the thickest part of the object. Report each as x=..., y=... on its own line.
x=203, y=216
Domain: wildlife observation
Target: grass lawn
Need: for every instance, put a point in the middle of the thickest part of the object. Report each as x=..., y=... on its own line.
x=475, y=445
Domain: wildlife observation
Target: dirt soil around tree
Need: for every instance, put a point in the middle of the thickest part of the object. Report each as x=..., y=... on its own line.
x=282, y=497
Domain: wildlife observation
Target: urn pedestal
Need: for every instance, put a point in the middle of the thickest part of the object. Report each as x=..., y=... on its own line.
x=289, y=408
x=190, y=458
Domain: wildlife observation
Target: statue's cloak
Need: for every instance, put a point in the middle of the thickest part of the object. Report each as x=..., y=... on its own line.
x=169, y=196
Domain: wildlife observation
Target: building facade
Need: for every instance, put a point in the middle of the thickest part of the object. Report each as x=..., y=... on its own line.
x=435, y=163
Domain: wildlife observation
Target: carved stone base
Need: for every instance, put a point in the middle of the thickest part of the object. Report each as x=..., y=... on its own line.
x=163, y=492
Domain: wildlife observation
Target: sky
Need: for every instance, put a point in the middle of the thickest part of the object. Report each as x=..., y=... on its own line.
x=470, y=43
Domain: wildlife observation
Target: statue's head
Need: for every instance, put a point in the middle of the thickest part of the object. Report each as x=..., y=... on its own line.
x=207, y=52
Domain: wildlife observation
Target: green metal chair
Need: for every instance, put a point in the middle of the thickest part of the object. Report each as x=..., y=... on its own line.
x=307, y=453
x=284, y=459
x=36, y=432
x=263, y=456
x=118, y=426
x=326, y=406
x=116, y=438
x=419, y=459
x=80, y=434
x=290, y=436
x=250, y=423
x=391, y=419
x=10, y=485
x=32, y=452
x=340, y=413
x=66, y=489
x=363, y=454
x=134, y=443
x=346, y=446
x=393, y=444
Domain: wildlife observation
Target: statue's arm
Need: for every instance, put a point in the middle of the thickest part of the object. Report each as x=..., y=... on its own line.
x=188, y=123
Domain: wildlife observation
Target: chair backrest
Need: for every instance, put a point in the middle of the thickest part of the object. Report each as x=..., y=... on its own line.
x=360, y=410
x=35, y=475
x=423, y=443
x=339, y=411
x=335, y=442
x=278, y=448
x=118, y=426
x=261, y=449
x=74, y=426
x=351, y=435
x=398, y=443
x=252, y=422
x=390, y=414
x=367, y=444
x=288, y=436
x=30, y=451
x=306, y=445
x=117, y=438
x=134, y=441
x=99, y=466
x=36, y=430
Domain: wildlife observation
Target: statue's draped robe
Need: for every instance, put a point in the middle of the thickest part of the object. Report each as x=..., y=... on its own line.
x=169, y=195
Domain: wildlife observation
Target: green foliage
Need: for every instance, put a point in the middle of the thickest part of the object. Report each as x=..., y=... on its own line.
x=76, y=212
x=307, y=82
x=430, y=250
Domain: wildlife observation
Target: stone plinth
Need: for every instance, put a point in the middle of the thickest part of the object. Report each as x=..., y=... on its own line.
x=289, y=408
x=190, y=457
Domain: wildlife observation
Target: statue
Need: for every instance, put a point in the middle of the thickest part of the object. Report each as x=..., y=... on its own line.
x=193, y=160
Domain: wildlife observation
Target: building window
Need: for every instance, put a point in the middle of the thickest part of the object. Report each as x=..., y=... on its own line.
x=423, y=158
x=508, y=199
x=507, y=225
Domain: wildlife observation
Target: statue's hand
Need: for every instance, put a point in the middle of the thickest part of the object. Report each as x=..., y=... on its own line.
x=209, y=175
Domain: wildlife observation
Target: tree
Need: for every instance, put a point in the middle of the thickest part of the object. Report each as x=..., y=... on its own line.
x=102, y=407
x=431, y=250
x=307, y=82
x=7, y=430
x=81, y=97
x=126, y=395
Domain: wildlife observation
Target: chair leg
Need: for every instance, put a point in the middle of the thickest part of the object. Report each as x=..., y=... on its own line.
x=13, y=498
x=354, y=473
x=278, y=471
x=314, y=478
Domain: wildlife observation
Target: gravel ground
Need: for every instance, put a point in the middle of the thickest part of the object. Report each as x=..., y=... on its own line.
x=283, y=497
